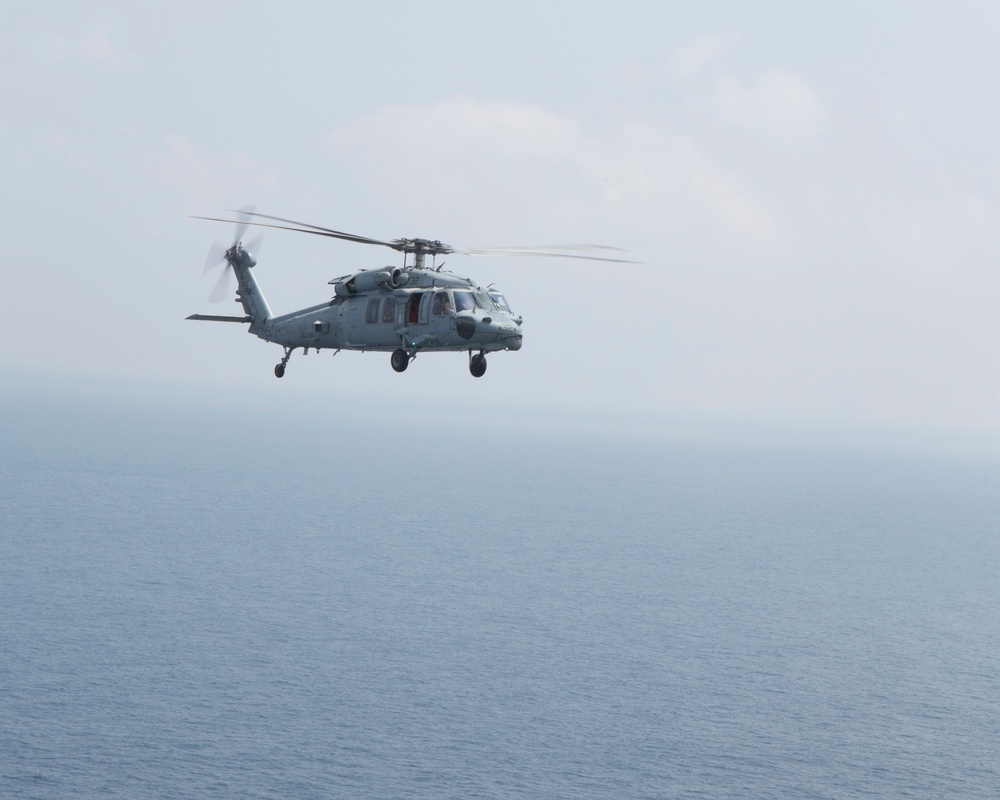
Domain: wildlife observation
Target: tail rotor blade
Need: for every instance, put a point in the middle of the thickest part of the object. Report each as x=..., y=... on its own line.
x=222, y=286
x=216, y=255
x=253, y=246
x=243, y=216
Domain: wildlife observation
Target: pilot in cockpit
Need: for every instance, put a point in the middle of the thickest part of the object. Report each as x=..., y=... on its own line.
x=442, y=305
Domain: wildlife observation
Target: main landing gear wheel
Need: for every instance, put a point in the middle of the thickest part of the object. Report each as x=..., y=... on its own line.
x=400, y=359
x=279, y=368
x=477, y=365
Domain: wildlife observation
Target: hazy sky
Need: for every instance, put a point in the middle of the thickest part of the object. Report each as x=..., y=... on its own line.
x=813, y=195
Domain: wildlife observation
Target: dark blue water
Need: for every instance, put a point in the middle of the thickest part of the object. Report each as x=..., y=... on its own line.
x=244, y=608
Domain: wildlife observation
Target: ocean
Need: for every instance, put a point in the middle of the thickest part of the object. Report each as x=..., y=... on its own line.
x=230, y=606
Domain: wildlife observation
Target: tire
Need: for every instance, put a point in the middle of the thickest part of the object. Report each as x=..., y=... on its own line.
x=400, y=360
x=477, y=366
x=279, y=371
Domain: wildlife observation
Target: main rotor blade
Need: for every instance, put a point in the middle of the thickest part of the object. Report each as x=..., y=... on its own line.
x=547, y=251
x=586, y=252
x=351, y=237
x=238, y=232
x=243, y=217
x=331, y=234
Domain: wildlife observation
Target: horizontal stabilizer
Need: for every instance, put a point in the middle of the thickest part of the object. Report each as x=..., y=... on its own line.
x=218, y=318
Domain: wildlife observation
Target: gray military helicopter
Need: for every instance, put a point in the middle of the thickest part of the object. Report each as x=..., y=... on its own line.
x=404, y=310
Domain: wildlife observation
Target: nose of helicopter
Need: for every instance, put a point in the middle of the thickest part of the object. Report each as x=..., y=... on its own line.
x=510, y=333
x=501, y=329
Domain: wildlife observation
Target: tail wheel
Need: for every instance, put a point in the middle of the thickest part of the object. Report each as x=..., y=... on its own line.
x=400, y=360
x=279, y=370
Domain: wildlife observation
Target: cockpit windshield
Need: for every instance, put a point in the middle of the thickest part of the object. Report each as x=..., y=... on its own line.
x=466, y=301
x=501, y=302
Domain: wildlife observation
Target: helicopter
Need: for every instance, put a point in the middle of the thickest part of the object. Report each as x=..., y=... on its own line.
x=402, y=310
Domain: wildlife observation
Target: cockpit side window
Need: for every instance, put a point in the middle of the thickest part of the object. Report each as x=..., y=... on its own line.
x=501, y=302
x=442, y=304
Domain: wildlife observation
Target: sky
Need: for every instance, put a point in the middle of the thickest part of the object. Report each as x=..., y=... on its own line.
x=811, y=192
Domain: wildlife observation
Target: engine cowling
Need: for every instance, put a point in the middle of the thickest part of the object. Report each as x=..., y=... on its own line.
x=398, y=278
x=366, y=281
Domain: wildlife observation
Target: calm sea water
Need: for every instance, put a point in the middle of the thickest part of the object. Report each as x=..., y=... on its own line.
x=259, y=610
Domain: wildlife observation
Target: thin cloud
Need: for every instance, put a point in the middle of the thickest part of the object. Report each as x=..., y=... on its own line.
x=779, y=105
x=545, y=169
x=200, y=177
x=99, y=43
x=693, y=58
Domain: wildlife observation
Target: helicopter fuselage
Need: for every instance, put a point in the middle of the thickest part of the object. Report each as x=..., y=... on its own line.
x=430, y=311
x=405, y=311
x=402, y=311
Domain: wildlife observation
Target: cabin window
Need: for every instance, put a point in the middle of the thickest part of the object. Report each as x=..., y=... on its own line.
x=413, y=310
x=389, y=310
x=466, y=301
x=371, y=313
x=442, y=304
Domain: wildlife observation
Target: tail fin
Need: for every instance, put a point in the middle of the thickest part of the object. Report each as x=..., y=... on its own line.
x=258, y=314
x=249, y=293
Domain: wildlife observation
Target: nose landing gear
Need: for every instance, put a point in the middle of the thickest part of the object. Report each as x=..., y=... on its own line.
x=477, y=364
